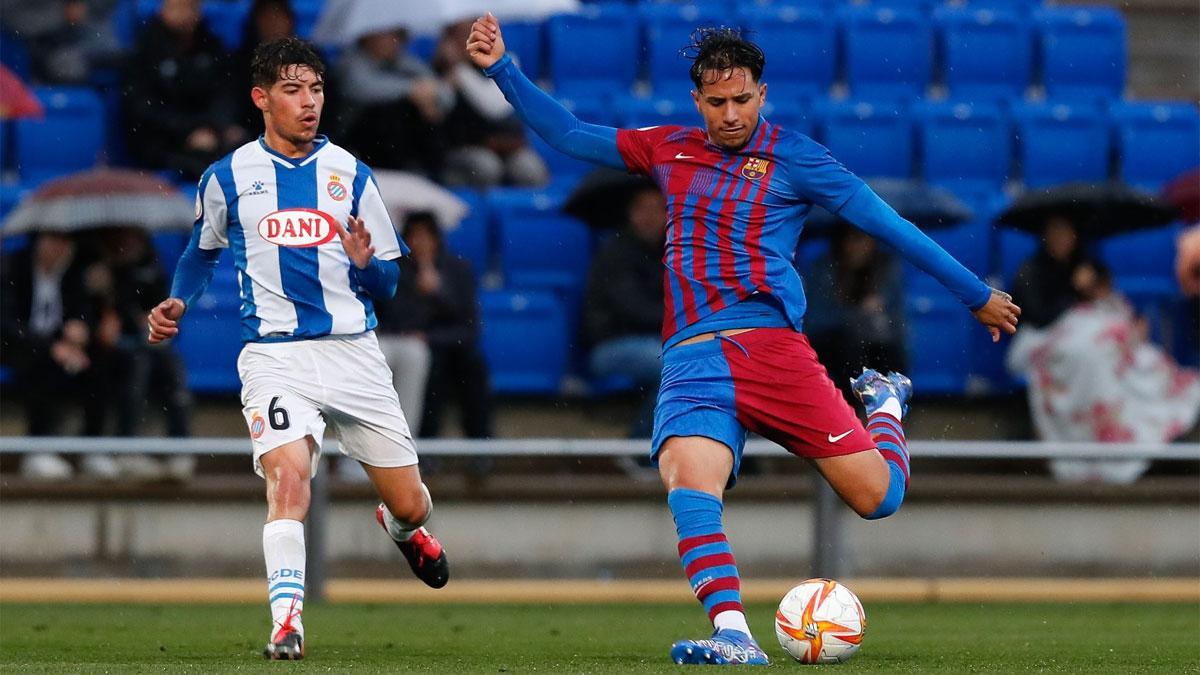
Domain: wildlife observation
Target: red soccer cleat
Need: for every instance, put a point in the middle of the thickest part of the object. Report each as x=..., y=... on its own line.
x=424, y=553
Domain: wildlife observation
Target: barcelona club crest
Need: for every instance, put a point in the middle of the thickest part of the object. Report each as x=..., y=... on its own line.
x=337, y=191
x=755, y=168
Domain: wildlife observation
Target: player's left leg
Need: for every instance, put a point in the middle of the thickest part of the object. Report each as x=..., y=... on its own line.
x=405, y=508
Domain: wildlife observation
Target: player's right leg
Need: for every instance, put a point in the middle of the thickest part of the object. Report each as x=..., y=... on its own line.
x=287, y=470
x=695, y=471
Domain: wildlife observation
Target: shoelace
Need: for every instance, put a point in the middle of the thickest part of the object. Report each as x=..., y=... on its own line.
x=287, y=627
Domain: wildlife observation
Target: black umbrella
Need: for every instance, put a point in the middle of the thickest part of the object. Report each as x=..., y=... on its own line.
x=1096, y=209
x=602, y=198
x=927, y=206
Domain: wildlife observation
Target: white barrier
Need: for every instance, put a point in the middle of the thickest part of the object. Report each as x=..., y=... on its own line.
x=827, y=549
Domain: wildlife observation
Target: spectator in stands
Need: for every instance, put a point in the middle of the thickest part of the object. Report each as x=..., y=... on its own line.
x=178, y=118
x=74, y=39
x=486, y=142
x=1043, y=285
x=50, y=324
x=622, y=319
x=267, y=21
x=395, y=106
x=855, y=315
x=437, y=301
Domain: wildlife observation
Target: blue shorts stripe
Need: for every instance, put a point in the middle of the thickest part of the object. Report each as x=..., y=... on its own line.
x=713, y=573
x=707, y=549
x=287, y=596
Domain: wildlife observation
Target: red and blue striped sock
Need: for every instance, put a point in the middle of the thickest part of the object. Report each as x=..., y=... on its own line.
x=888, y=435
x=706, y=556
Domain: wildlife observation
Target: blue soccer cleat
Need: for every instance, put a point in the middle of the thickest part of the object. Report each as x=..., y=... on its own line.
x=873, y=388
x=725, y=648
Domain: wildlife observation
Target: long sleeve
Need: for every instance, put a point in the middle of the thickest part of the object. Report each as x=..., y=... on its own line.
x=871, y=214
x=554, y=123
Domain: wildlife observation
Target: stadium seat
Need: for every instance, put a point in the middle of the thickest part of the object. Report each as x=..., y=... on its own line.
x=524, y=41
x=1083, y=52
x=1013, y=248
x=1156, y=141
x=800, y=46
x=986, y=55
x=938, y=329
x=540, y=248
x=525, y=341
x=14, y=54
x=1143, y=254
x=1061, y=143
x=210, y=337
x=593, y=51
x=635, y=111
x=472, y=238
x=666, y=30
x=963, y=147
x=307, y=13
x=888, y=52
x=870, y=139
x=787, y=113
x=73, y=126
x=227, y=20
x=1022, y=7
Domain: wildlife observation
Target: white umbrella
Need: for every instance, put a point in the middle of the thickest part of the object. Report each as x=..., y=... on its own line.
x=342, y=22
x=404, y=193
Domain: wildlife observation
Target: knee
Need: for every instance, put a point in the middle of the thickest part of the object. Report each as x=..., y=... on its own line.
x=413, y=508
x=881, y=500
x=288, y=491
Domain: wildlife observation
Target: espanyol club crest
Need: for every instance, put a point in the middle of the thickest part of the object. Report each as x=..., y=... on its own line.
x=755, y=168
x=258, y=425
x=337, y=191
x=297, y=228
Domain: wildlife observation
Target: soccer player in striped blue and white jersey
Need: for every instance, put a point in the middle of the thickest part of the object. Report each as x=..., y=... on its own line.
x=735, y=359
x=310, y=358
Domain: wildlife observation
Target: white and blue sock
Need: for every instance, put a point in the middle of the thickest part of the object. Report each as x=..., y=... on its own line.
x=283, y=548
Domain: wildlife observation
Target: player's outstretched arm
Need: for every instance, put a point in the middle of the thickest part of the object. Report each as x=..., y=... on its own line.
x=999, y=314
x=163, y=320
x=546, y=116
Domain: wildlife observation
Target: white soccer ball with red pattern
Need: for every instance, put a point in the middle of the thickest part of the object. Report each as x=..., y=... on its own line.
x=820, y=621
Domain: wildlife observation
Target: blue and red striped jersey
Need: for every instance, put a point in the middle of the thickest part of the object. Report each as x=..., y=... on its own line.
x=734, y=217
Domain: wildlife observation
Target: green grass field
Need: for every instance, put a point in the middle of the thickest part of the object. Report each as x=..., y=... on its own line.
x=940, y=638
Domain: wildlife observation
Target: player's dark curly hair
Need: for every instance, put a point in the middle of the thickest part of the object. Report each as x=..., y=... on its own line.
x=271, y=60
x=720, y=49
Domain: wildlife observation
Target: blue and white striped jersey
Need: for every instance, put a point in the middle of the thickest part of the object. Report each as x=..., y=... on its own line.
x=277, y=215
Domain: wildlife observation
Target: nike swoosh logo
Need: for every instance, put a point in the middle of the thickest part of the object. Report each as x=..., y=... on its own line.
x=680, y=155
x=835, y=439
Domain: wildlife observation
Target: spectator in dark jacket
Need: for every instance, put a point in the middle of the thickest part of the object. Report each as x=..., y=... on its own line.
x=1044, y=286
x=437, y=299
x=77, y=42
x=178, y=106
x=624, y=305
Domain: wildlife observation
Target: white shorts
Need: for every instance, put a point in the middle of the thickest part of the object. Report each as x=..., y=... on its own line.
x=294, y=389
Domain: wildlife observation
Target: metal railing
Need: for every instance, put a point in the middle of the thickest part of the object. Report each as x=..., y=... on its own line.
x=827, y=549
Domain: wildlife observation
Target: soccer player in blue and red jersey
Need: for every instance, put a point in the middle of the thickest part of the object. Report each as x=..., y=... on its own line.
x=738, y=191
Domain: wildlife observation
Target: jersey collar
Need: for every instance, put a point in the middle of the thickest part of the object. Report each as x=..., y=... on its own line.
x=318, y=144
x=760, y=130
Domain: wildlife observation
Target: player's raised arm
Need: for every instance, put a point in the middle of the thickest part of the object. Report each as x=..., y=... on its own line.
x=546, y=116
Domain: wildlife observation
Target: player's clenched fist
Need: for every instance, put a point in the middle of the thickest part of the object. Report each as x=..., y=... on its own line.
x=164, y=320
x=485, y=46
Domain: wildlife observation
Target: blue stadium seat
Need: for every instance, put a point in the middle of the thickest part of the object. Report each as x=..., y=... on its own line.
x=939, y=335
x=986, y=55
x=1061, y=143
x=524, y=340
x=667, y=29
x=1144, y=255
x=870, y=139
x=14, y=54
x=787, y=113
x=307, y=13
x=210, y=337
x=227, y=20
x=70, y=138
x=888, y=52
x=800, y=46
x=540, y=248
x=524, y=41
x=1083, y=52
x=472, y=238
x=1013, y=248
x=593, y=51
x=635, y=111
x=1022, y=7
x=963, y=146
x=1156, y=141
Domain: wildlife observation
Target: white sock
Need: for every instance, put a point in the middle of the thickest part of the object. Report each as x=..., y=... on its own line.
x=283, y=548
x=892, y=407
x=400, y=530
x=732, y=619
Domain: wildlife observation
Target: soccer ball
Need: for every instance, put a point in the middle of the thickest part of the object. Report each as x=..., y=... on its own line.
x=820, y=621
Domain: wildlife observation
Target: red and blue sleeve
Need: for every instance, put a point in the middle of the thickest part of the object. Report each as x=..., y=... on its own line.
x=550, y=120
x=816, y=175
